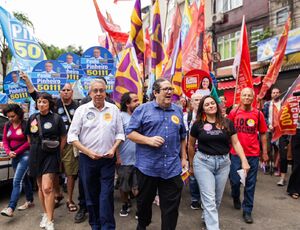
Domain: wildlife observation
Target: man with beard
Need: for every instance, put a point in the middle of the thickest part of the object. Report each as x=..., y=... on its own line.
x=271, y=111
x=157, y=128
x=126, y=152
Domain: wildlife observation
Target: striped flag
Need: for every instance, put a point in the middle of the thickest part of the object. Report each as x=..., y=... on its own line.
x=136, y=35
x=186, y=21
x=128, y=76
x=175, y=31
x=158, y=56
x=173, y=70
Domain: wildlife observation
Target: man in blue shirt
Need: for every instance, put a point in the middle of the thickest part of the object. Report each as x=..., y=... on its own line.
x=126, y=152
x=158, y=129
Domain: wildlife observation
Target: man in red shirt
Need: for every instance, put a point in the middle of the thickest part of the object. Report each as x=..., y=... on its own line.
x=248, y=121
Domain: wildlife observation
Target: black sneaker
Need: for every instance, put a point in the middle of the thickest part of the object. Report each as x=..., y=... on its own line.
x=80, y=215
x=237, y=203
x=195, y=205
x=125, y=210
x=247, y=218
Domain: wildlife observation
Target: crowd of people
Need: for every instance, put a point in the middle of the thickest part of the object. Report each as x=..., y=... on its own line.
x=147, y=146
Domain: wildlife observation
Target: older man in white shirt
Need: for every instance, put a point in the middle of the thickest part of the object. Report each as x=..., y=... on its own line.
x=97, y=131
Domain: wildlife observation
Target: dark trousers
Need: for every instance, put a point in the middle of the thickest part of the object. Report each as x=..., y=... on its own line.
x=194, y=189
x=249, y=189
x=294, y=181
x=283, y=143
x=169, y=191
x=81, y=197
x=98, y=183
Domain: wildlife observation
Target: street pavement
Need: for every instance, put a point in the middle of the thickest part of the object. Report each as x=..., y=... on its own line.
x=273, y=210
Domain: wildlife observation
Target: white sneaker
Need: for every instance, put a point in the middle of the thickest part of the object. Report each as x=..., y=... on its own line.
x=44, y=220
x=25, y=206
x=49, y=225
x=281, y=182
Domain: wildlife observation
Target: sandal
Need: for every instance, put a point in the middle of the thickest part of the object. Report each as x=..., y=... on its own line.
x=71, y=206
x=57, y=201
x=295, y=195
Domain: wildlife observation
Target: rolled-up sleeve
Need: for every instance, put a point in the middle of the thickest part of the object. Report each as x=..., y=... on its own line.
x=75, y=127
x=119, y=130
x=135, y=121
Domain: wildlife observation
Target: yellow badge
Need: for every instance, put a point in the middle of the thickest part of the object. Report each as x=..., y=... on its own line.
x=107, y=117
x=175, y=119
x=33, y=128
x=251, y=122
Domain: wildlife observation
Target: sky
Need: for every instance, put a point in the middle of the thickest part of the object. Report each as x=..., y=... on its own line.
x=71, y=22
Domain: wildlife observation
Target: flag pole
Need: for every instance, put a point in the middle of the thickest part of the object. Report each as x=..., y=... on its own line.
x=236, y=84
x=113, y=46
x=168, y=1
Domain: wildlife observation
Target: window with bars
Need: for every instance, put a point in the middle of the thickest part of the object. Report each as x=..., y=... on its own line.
x=227, y=45
x=227, y=5
x=256, y=33
x=282, y=15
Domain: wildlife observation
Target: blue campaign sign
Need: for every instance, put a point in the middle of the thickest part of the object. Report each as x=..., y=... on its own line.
x=97, y=62
x=86, y=81
x=24, y=47
x=15, y=88
x=266, y=48
x=49, y=76
x=71, y=62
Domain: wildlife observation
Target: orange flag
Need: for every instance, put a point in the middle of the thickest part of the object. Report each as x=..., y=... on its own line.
x=241, y=68
x=192, y=50
x=288, y=115
x=276, y=61
x=175, y=28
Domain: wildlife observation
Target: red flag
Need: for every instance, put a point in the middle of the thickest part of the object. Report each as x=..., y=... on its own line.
x=289, y=113
x=192, y=50
x=109, y=27
x=241, y=68
x=276, y=61
x=175, y=28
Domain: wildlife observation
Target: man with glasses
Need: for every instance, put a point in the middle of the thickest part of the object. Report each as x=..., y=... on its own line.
x=157, y=128
x=97, y=131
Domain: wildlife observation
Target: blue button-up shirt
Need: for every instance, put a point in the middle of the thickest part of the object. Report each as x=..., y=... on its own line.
x=151, y=120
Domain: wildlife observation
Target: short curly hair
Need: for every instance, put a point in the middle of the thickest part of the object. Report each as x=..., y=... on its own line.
x=14, y=108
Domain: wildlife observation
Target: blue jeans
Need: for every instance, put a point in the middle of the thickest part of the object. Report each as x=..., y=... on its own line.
x=20, y=166
x=194, y=189
x=211, y=173
x=250, y=181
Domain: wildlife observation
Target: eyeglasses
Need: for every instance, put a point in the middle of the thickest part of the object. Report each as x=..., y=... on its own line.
x=167, y=89
x=68, y=90
x=98, y=90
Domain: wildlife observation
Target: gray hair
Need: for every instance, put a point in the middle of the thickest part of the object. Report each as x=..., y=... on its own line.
x=94, y=81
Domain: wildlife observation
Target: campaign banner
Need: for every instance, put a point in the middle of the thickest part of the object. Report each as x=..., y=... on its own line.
x=49, y=76
x=289, y=112
x=15, y=88
x=192, y=81
x=266, y=48
x=86, y=81
x=71, y=63
x=24, y=47
x=97, y=62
